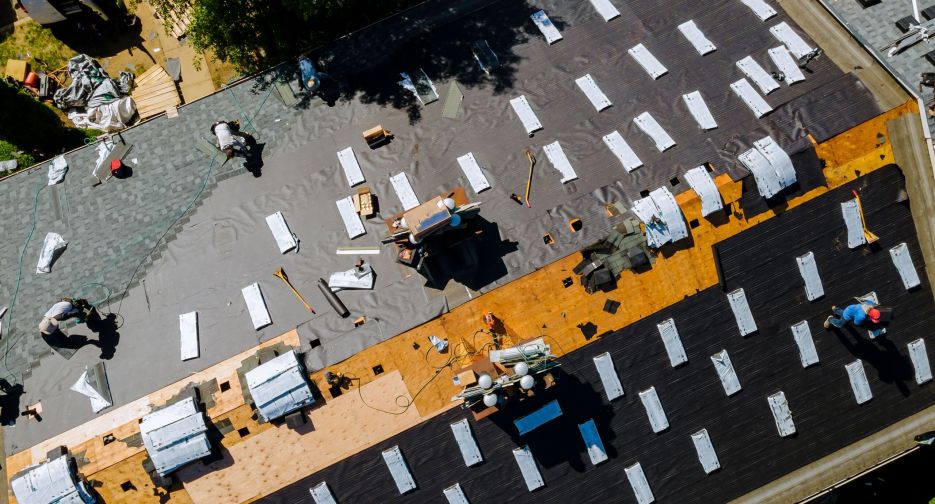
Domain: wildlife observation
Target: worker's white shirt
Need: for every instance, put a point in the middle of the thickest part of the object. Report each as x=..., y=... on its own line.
x=225, y=137
x=62, y=310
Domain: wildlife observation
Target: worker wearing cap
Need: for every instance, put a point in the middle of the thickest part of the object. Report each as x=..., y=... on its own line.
x=857, y=314
x=65, y=309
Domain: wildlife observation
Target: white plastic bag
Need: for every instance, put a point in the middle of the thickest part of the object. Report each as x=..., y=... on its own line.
x=53, y=244
x=57, y=169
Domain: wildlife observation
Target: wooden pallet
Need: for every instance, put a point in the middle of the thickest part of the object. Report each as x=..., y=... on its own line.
x=154, y=92
x=177, y=20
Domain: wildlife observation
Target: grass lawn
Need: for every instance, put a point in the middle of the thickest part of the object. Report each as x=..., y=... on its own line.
x=32, y=131
x=30, y=41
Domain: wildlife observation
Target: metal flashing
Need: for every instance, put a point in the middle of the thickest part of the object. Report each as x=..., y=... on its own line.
x=466, y=442
x=903, y=262
x=605, y=368
x=351, y=167
x=859, y=384
x=670, y=338
x=706, y=454
x=526, y=116
x=399, y=470
x=590, y=89
x=699, y=110
x=641, y=490
x=696, y=38
x=741, y=309
x=808, y=268
x=700, y=181
x=654, y=411
x=808, y=355
x=754, y=101
x=781, y=414
x=920, y=361
x=725, y=371
x=619, y=147
x=527, y=466
x=653, y=67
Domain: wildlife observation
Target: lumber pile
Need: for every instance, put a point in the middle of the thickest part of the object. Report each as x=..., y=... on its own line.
x=155, y=92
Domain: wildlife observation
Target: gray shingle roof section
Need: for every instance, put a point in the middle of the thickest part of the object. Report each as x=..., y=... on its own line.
x=875, y=27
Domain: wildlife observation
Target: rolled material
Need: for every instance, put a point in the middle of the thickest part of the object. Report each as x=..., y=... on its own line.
x=332, y=298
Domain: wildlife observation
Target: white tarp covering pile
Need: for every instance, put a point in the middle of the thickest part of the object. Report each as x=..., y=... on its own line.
x=109, y=117
x=93, y=99
x=57, y=168
x=51, y=248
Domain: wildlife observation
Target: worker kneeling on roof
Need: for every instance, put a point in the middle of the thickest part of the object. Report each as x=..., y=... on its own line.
x=857, y=314
x=231, y=140
x=65, y=309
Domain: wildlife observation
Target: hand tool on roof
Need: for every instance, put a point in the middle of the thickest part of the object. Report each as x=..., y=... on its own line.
x=280, y=274
x=870, y=237
x=333, y=299
x=532, y=162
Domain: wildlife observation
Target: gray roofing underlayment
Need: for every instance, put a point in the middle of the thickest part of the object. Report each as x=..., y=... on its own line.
x=742, y=429
x=223, y=243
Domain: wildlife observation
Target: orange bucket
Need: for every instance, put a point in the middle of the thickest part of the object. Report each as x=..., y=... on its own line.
x=32, y=80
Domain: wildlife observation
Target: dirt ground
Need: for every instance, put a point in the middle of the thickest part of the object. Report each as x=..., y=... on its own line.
x=134, y=48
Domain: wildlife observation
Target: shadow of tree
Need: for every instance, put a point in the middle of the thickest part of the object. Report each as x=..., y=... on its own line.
x=91, y=35
x=33, y=127
x=557, y=441
x=432, y=36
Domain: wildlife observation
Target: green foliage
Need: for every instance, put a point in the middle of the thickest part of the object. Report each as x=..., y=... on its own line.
x=9, y=151
x=29, y=126
x=32, y=40
x=254, y=34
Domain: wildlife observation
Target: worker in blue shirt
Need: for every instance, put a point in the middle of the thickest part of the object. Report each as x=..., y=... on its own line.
x=310, y=75
x=857, y=314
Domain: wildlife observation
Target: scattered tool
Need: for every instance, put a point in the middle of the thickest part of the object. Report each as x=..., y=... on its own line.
x=333, y=300
x=280, y=274
x=532, y=162
x=517, y=198
x=870, y=237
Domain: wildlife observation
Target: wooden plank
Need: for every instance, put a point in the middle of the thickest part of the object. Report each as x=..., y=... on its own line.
x=168, y=95
x=155, y=86
x=159, y=98
x=147, y=74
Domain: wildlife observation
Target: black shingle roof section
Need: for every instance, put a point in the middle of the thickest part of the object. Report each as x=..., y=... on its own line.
x=827, y=418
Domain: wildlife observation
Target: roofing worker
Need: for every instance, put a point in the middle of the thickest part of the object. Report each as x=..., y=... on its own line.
x=65, y=309
x=230, y=140
x=311, y=77
x=857, y=314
